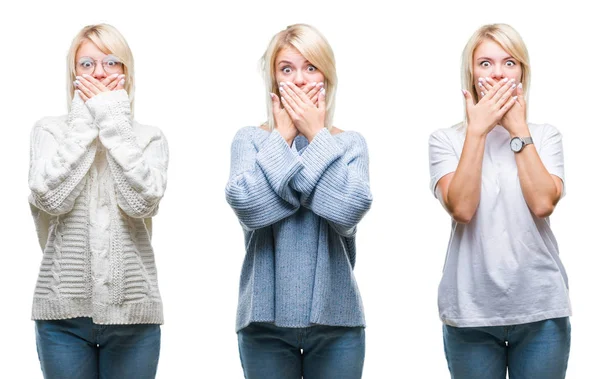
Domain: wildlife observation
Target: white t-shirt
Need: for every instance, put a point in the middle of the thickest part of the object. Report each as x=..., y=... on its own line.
x=502, y=268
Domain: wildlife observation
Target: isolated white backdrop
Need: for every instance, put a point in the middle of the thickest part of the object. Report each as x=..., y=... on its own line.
x=197, y=78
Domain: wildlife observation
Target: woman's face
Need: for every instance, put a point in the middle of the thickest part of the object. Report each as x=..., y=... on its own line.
x=291, y=66
x=92, y=61
x=492, y=61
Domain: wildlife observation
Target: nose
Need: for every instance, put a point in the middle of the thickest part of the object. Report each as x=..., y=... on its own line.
x=497, y=72
x=99, y=72
x=299, y=79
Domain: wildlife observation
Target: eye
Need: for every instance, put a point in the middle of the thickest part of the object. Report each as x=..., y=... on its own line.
x=286, y=70
x=111, y=61
x=86, y=63
x=311, y=68
x=511, y=63
x=485, y=64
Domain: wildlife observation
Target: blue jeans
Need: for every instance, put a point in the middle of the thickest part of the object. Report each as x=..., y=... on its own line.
x=79, y=349
x=538, y=350
x=316, y=352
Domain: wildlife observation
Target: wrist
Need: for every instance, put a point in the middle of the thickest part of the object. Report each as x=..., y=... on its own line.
x=520, y=130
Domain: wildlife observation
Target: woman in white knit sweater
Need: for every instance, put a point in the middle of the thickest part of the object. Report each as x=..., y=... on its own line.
x=96, y=178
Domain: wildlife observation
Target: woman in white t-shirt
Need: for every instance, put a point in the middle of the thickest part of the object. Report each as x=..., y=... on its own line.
x=504, y=297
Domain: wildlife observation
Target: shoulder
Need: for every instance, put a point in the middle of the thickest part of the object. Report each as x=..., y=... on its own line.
x=542, y=128
x=251, y=133
x=348, y=136
x=51, y=124
x=145, y=134
x=449, y=135
x=544, y=132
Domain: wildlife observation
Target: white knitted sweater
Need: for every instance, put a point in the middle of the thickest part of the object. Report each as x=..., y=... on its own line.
x=96, y=178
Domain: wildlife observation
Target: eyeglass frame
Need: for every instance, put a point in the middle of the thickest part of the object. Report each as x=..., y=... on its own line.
x=104, y=62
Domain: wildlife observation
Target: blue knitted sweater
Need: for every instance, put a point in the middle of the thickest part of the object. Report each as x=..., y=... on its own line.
x=299, y=208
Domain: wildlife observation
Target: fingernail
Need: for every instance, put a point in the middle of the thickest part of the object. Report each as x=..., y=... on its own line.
x=482, y=94
x=512, y=80
x=323, y=91
x=313, y=84
x=78, y=77
x=504, y=80
x=76, y=83
x=114, y=75
x=520, y=86
x=488, y=79
x=281, y=84
x=464, y=91
x=85, y=75
x=321, y=84
x=122, y=82
x=513, y=86
x=515, y=97
x=480, y=85
x=480, y=79
x=288, y=83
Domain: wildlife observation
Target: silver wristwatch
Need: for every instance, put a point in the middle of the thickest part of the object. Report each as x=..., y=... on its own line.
x=518, y=143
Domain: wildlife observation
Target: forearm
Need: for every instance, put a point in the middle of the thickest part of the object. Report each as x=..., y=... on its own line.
x=258, y=189
x=539, y=188
x=61, y=155
x=462, y=198
x=138, y=163
x=334, y=180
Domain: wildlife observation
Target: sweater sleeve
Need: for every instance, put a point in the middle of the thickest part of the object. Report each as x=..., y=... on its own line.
x=334, y=180
x=139, y=168
x=60, y=157
x=259, y=189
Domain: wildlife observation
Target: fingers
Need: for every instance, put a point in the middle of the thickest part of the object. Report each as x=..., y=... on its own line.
x=288, y=108
x=82, y=88
x=114, y=81
x=485, y=85
x=468, y=98
x=94, y=82
x=321, y=99
x=499, y=90
x=509, y=104
x=289, y=97
x=109, y=80
x=85, y=84
x=121, y=83
x=313, y=92
x=276, y=104
x=507, y=94
x=296, y=93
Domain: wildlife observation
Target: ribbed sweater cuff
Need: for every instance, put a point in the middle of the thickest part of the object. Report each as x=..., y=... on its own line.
x=317, y=156
x=278, y=161
x=133, y=313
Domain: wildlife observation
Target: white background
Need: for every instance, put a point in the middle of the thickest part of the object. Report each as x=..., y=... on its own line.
x=198, y=80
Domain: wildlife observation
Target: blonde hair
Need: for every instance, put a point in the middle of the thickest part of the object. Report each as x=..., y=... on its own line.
x=508, y=38
x=108, y=40
x=315, y=48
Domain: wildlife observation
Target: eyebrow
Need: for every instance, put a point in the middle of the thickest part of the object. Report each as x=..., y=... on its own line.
x=490, y=59
x=288, y=62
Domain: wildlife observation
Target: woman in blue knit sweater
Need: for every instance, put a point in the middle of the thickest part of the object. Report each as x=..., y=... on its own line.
x=299, y=187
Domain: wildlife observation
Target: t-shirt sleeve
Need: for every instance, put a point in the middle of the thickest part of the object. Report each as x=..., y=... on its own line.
x=442, y=157
x=550, y=151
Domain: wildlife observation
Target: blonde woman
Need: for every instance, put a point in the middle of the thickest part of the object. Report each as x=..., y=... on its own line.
x=504, y=297
x=299, y=187
x=96, y=178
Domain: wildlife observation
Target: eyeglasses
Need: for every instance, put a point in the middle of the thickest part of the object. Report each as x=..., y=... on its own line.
x=110, y=64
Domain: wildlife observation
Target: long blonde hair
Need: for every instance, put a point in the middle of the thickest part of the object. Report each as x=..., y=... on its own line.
x=108, y=40
x=315, y=48
x=508, y=38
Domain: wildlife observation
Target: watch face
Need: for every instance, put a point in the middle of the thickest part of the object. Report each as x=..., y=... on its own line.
x=516, y=144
